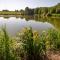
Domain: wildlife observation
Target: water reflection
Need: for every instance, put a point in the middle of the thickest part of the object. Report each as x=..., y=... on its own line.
x=15, y=24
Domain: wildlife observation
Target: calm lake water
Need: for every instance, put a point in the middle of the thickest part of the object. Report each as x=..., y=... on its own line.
x=15, y=25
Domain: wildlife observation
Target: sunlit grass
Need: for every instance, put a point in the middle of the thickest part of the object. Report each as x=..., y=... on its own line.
x=30, y=45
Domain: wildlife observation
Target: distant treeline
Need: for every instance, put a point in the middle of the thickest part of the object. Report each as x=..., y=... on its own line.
x=7, y=12
x=42, y=11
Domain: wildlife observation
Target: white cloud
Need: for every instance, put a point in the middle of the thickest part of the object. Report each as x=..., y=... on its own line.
x=21, y=4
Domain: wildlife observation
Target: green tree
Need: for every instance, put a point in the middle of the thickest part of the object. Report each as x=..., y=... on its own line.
x=58, y=10
x=36, y=11
x=22, y=12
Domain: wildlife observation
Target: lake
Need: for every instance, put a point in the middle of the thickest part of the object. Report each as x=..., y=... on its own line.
x=16, y=24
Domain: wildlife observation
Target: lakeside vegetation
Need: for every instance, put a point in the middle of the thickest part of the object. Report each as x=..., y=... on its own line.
x=29, y=45
x=41, y=11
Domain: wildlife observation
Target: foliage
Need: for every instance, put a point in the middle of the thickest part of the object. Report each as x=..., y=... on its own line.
x=30, y=45
x=5, y=48
x=36, y=45
x=29, y=11
x=43, y=11
x=54, y=39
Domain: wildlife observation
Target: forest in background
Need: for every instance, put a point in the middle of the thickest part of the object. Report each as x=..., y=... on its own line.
x=42, y=11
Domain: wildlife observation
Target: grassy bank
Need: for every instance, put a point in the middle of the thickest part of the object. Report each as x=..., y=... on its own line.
x=29, y=45
x=9, y=13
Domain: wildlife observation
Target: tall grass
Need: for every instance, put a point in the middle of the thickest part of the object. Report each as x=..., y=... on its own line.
x=37, y=45
x=34, y=47
x=5, y=49
x=54, y=39
x=30, y=45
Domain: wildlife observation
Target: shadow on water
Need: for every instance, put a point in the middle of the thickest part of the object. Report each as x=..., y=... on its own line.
x=55, y=21
x=52, y=20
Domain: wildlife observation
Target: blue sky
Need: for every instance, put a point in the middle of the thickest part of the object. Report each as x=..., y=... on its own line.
x=21, y=4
